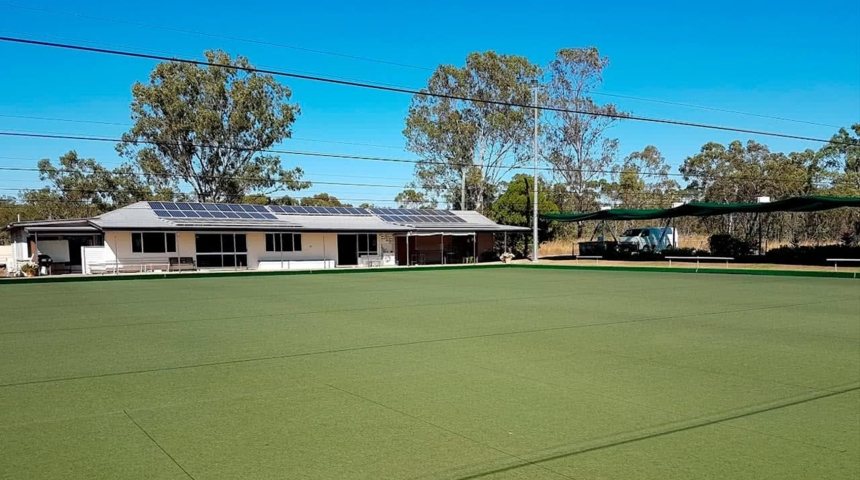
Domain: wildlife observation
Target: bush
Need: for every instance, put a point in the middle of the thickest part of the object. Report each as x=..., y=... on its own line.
x=30, y=269
x=810, y=255
x=722, y=245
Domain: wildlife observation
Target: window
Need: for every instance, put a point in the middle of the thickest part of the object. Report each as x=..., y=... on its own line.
x=153, y=242
x=367, y=244
x=217, y=250
x=283, y=242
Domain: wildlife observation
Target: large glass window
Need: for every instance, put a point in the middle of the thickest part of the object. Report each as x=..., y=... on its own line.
x=208, y=242
x=215, y=250
x=283, y=242
x=367, y=244
x=153, y=242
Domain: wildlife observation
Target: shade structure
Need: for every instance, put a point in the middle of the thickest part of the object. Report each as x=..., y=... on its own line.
x=707, y=209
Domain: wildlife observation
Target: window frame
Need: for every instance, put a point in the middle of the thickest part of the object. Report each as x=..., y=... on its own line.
x=237, y=258
x=278, y=242
x=367, y=251
x=141, y=250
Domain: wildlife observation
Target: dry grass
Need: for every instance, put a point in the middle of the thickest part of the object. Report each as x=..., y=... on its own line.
x=556, y=247
x=568, y=246
x=699, y=242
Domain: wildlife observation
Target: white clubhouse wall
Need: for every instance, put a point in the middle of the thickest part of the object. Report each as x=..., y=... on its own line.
x=315, y=246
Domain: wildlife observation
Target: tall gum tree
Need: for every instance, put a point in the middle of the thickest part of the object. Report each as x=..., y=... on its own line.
x=575, y=142
x=471, y=144
x=206, y=126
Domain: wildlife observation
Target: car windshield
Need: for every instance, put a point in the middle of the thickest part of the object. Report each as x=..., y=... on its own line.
x=633, y=232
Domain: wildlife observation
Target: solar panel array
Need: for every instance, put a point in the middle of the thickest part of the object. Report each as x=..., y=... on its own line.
x=413, y=216
x=300, y=210
x=232, y=211
x=218, y=211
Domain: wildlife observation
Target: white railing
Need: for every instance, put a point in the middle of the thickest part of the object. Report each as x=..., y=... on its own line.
x=701, y=259
x=837, y=261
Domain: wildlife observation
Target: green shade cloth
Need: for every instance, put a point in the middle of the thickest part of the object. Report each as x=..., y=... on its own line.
x=706, y=209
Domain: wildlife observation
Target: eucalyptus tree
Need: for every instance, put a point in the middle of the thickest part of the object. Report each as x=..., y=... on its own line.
x=208, y=126
x=467, y=148
x=575, y=136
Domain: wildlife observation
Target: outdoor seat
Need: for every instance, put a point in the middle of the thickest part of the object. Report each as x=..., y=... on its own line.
x=181, y=263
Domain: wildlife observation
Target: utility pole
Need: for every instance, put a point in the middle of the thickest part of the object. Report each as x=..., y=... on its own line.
x=463, y=187
x=535, y=179
x=462, y=173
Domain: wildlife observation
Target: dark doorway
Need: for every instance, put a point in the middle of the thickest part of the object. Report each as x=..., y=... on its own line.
x=400, y=250
x=75, y=244
x=347, y=249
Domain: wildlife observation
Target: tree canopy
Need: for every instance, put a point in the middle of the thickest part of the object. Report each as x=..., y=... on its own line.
x=467, y=143
x=576, y=144
x=515, y=206
x=208, y=127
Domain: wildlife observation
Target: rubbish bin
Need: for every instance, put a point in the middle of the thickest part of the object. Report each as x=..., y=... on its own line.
x=45, y=264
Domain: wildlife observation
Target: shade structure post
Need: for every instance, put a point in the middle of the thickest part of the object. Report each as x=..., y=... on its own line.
x=535, y=243
x=442, y=248
x=506, y=243
x=407, y=249
x=178, y=254
x=116, y=254
x=474, y=247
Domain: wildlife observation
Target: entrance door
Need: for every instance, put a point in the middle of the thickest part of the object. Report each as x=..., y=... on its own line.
x=400, y=250
x=347, y=249
x=75, y=244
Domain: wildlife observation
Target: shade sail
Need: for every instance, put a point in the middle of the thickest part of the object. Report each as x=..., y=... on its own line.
x=707, y=209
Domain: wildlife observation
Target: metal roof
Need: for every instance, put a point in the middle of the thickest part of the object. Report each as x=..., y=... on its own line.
x=141, y=216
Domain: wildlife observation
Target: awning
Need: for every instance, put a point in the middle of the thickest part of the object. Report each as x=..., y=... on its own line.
x=707, y=209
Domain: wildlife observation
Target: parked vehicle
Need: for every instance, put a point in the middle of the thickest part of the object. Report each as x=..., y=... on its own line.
x=647, y=240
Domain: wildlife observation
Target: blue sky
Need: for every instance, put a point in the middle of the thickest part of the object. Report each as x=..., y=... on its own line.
x=798, y=60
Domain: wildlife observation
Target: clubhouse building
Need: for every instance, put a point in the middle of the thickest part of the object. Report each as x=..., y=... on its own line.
x=175, y=236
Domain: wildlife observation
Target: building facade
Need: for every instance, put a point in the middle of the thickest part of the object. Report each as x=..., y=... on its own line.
x=173, y=236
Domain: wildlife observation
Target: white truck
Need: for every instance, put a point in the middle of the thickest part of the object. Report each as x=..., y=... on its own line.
x=647, y=240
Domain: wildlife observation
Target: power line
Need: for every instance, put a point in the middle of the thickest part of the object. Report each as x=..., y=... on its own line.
x=314, y=182
x=329, y=80
x=117, y=124
x=714, y=109
x=345, y=156
x=305, y=195
x=144, y=174
x=387, y=62
x=230, y=37
x=266, y=150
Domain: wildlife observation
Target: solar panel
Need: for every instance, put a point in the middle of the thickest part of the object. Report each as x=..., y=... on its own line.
x=302, y=210
x=414, y=216
x=211, y=210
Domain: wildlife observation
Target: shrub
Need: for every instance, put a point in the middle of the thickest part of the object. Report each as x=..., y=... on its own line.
x=811, y=254
x=30, y=269
x=723, y=245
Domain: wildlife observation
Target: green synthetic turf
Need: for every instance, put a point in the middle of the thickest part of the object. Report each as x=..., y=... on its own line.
x=483, y=373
